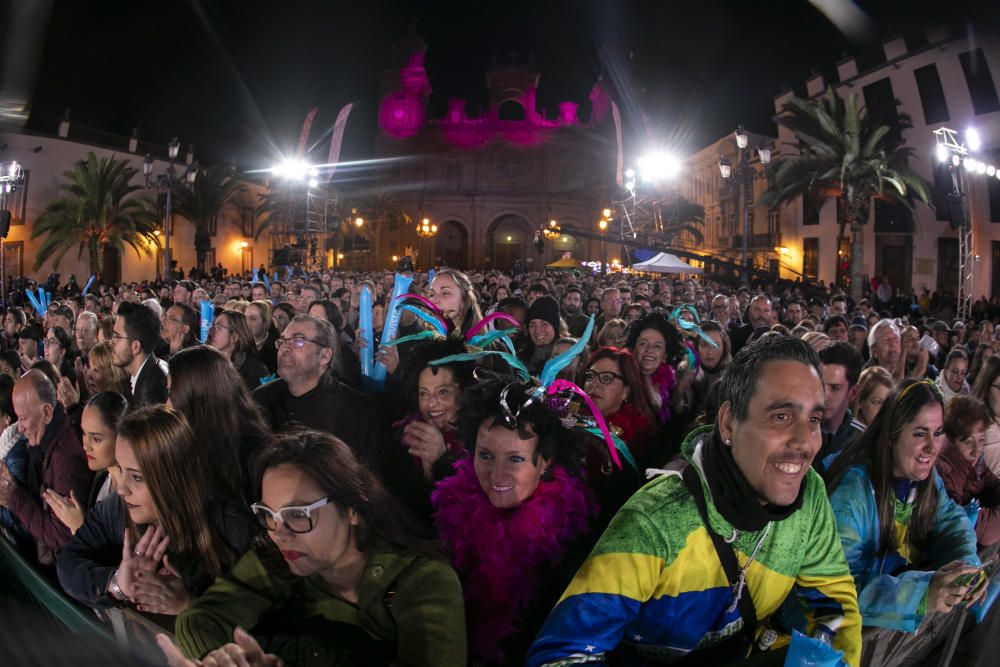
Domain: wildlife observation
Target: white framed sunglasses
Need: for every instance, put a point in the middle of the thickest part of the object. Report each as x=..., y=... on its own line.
x=297, y=519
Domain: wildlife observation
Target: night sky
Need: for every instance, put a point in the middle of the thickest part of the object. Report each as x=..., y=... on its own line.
x=237, y=77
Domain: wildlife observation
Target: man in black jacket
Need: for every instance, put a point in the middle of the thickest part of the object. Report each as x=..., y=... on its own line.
x=137, y=329
x=759, y=316
x=307, y=394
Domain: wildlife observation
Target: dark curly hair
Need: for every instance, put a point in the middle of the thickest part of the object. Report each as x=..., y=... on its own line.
x=659, y=322
x=481, y=403
x=420, y=355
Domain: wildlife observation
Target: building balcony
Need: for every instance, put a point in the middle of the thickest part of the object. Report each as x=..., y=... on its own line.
x=765, y=241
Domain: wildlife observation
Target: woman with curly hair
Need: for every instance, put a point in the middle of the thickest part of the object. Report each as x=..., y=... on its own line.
x=512, y=514
x=657, y=347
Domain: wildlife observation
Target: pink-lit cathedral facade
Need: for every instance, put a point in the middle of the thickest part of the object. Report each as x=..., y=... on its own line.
x=489, y=181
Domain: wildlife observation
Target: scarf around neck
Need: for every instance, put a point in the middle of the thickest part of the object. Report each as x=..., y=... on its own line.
x=502, y=555
x=732, y=494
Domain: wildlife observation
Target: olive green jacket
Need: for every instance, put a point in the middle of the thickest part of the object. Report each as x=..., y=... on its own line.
x=409, y=613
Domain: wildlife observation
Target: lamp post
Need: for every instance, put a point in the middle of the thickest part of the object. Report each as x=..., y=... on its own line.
x=11, y=178
x=359, y=222
x=745, y=175
x=166, y=182
x=602, y=225
x=426, y=229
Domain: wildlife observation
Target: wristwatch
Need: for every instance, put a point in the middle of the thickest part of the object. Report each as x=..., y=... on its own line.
x=116, y=590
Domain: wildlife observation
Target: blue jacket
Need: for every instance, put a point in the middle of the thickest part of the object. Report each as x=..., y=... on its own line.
x=890, y=595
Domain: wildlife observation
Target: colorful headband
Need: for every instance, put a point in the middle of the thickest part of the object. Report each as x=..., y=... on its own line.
x=548, y=383
x=442, y=327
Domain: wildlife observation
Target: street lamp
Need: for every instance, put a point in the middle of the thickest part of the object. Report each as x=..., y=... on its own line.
x=746, y=175
x=602, y=225
x=553, y=231
x=427, y=230
x=11, y=178
x=359, y=222
x=167, y=182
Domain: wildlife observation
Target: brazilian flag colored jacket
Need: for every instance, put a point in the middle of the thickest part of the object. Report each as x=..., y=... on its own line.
x=890, y=593
x=654, y=583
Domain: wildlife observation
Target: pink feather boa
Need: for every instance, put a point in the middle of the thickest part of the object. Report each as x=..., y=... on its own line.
x=502, y=555
x=664, y=380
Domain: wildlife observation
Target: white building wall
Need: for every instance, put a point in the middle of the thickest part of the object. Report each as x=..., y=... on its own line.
x=47, y=158
x=900, y=71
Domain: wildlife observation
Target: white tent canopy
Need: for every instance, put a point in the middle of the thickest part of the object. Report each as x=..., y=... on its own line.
x=665, y=263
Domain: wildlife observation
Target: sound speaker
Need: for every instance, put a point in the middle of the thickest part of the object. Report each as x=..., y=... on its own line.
x=4, y=223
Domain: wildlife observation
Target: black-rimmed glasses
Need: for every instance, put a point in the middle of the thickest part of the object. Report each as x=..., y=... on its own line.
x=297, y=342
x=297, y=519
x=604, y=377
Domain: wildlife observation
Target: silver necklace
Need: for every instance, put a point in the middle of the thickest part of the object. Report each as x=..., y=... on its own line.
x=741, y=581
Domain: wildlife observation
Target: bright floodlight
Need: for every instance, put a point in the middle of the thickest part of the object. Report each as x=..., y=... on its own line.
x=293, y=170
x=972, y=139
x=313, y=183
x=981, y=167
x=630, y=174
x=956, y=160
x=942, y=153
x=969, y=164
x=990, y=170
x=659, y=166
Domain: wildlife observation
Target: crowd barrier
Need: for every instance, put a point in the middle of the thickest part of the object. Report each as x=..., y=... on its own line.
x=24, y=586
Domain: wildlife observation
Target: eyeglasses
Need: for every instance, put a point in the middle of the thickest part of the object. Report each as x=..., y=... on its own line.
x=296, y=519
x=217, y=325
x=117, y=336
x=297, y=342
x=604, y=377
x=53, y=341
x=171, y=318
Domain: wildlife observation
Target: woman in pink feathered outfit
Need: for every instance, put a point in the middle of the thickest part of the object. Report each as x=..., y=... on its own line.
x=514, y=518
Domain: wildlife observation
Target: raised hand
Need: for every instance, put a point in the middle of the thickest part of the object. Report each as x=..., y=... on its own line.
x=425, y=442
x=66, y=508
x=141, y=561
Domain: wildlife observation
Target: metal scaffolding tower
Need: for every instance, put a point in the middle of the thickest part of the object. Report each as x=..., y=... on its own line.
x=954, y=153
x=299, y=224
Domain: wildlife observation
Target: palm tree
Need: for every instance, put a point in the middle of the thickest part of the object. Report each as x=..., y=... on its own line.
x=844, y=155
x=679, y=217
x=379, y=209
x=213, y=188
x=97, y=211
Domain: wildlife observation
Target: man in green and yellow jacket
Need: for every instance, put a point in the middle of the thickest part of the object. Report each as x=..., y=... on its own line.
x=654, y=589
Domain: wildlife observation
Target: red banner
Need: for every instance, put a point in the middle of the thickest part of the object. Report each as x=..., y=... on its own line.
x=306, y=128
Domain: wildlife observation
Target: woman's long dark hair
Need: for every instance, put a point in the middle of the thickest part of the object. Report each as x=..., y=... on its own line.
x=874, y=449
x=166, y=451
x=228, y=425
x=638, y=394
x=985, y=379
x=384, y=524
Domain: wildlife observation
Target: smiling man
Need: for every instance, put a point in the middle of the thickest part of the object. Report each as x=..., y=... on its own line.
x=695, y=557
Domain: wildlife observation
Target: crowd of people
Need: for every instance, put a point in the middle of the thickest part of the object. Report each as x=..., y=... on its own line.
x=555, y=469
